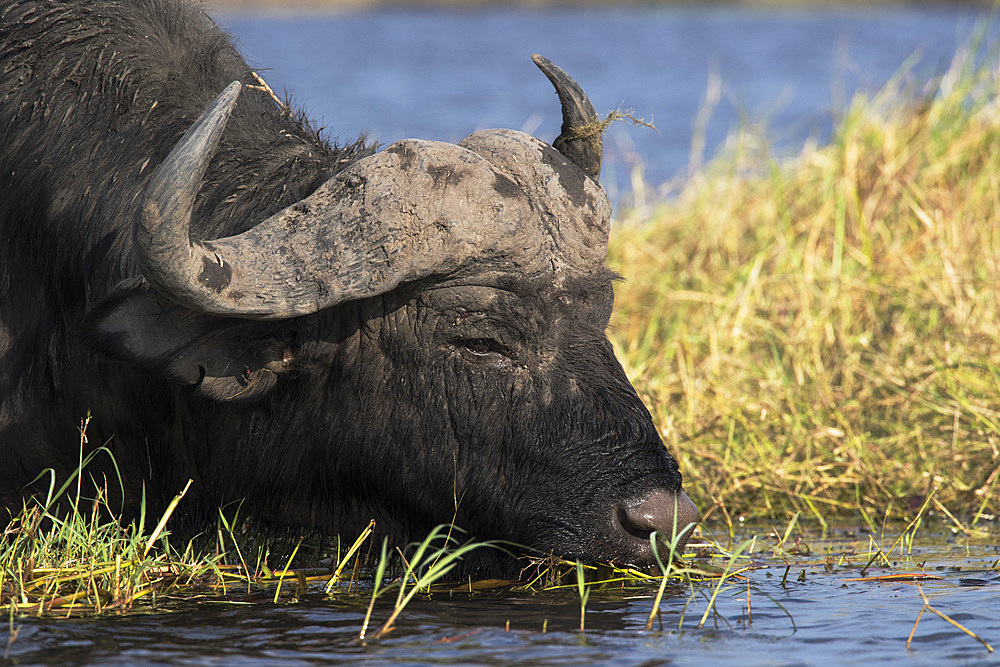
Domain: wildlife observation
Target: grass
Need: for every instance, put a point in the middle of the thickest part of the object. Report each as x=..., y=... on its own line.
x=820, y=335
x=69, y=555
x=85, y=562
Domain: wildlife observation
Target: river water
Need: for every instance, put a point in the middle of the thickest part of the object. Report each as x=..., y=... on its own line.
x=441, y=74
x=816, y=612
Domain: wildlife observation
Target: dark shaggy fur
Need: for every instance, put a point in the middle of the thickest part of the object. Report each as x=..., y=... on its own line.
x=497, y=396
x=93, y=95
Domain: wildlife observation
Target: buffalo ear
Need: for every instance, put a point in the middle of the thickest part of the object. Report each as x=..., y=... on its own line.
x=227, y=359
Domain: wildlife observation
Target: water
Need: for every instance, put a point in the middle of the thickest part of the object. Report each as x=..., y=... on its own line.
x=816, y=616
x=438, y=74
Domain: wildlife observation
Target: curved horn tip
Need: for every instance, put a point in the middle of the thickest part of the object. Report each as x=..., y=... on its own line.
x=212, y=120
x=541, y=60
x=202, y=138
x=229, y=93
x=580, y=139
x=546, y=64
x=178, y=178
x=216, y=113
x=162, y=224
x=221, y=108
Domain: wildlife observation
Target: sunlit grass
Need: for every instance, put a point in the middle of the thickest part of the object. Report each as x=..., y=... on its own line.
x=65, y=552
x=69, y=554
x=820, y=335
x=70, y=562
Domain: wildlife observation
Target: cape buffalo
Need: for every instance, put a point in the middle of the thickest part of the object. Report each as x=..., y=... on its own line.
x=332, y=333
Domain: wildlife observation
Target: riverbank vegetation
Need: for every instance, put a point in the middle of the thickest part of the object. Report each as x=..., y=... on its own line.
x=818, y=339
x=822, y=335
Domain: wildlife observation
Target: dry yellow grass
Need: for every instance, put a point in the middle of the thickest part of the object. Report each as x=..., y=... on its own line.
x=821, y=335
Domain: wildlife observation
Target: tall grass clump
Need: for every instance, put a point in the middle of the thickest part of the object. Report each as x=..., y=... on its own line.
x=820, y=334
x=67, y=553
x=71, y=552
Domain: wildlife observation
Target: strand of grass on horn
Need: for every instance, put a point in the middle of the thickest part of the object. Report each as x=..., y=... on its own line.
x=598, y=126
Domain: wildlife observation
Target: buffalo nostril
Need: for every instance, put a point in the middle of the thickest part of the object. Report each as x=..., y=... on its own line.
x=669, y=514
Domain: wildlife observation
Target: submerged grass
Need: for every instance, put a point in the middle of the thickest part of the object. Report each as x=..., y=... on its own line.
x=72, y=562
x=68, y=554
x=820, y=335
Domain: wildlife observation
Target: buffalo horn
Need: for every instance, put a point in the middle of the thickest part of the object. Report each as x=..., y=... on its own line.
x=416, y=209
x=283, y=267
x=580, y=139
x=171, y=262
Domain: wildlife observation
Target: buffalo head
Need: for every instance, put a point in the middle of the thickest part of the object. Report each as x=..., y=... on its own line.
x=420, y=339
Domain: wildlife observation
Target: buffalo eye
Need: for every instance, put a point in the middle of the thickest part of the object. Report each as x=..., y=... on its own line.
x=482, y=350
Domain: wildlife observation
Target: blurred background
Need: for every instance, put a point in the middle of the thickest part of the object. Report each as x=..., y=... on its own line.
x=695, y=71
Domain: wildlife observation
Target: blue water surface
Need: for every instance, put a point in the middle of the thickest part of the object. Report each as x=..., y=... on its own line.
x=827, y=609
x=441, y=74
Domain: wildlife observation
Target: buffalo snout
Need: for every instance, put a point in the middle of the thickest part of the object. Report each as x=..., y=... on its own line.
x=671, y=515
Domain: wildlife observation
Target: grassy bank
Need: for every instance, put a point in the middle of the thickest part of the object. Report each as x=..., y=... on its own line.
x=821, y=335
